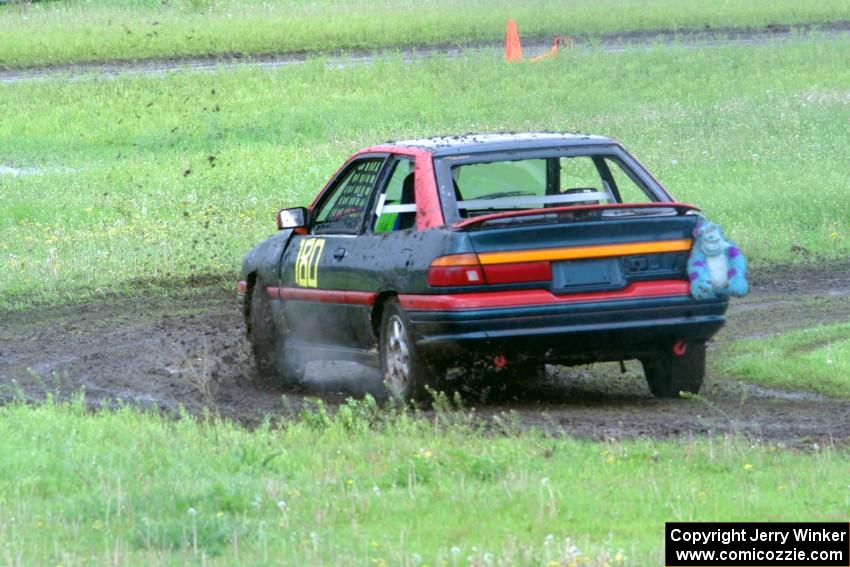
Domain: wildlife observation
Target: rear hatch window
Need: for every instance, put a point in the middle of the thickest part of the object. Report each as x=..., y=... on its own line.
x=537, y=183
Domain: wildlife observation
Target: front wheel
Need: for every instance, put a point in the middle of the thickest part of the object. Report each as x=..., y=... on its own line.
x=267, y=342
x=672, y=372
x=405, y=374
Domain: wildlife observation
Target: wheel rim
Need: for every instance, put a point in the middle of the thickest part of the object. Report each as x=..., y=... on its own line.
x=397, y=355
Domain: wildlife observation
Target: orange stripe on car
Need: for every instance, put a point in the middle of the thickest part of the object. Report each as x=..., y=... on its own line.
x=584, y=252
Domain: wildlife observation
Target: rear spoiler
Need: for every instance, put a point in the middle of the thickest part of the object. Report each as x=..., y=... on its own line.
x=681, y=209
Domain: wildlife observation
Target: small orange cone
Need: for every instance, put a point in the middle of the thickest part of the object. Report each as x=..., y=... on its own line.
x=513, y=47
x=557, y=41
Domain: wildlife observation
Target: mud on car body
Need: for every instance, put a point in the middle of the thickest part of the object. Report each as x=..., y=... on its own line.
x=512, y=250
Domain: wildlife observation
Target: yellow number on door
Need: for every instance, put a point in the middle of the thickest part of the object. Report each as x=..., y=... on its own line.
x=307, y=262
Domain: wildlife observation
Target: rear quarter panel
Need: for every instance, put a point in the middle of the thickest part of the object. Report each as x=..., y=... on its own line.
x=399, y=261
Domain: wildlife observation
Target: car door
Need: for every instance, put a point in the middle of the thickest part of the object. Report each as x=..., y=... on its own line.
x=383, y=250
x=324, y=304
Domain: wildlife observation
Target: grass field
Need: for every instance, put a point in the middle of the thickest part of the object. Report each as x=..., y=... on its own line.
x=816, y=360
x=74, y=31
x=375, y=487
x=109, y=181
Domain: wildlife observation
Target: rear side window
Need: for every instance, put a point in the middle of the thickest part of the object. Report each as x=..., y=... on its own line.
x=344, y=208
x=396, y=206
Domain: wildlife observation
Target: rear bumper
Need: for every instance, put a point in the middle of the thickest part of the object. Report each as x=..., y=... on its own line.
x=568, y=331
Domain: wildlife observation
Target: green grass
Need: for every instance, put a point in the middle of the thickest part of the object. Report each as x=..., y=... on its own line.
x=156, y=178
x=373, y=487
x=816, y=360
x=73, y=31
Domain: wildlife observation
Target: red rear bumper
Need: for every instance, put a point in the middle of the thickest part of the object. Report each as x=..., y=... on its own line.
x=528, y=297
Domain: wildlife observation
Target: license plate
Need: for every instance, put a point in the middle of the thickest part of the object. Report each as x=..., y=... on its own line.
x=578, y=275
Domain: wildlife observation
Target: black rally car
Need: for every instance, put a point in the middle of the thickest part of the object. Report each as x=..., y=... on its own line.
x=515, y=250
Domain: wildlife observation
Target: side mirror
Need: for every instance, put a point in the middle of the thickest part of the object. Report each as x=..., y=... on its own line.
x=295, y=217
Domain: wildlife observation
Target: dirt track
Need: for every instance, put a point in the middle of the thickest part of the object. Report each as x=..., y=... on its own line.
x=615, y=42
x=186, y=348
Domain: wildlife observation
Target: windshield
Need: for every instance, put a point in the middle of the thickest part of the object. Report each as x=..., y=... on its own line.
x=534, y=183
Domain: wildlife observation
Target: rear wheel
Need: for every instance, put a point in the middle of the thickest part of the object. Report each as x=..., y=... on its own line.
x=668, y=374
x=267, y=340
x=405, y=374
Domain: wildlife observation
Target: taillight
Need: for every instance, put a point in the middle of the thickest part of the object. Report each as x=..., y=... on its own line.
x=457, y=269
x=466, y=269
x=518, y=273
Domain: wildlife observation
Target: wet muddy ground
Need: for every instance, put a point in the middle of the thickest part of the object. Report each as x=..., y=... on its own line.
x=614, y=42
x=185, y=348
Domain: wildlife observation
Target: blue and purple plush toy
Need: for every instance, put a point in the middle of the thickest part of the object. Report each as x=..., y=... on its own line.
x=716, y=266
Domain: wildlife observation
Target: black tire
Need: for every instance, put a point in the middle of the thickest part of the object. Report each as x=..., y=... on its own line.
x=668, y=374
x=267, y=341
x=406, y=376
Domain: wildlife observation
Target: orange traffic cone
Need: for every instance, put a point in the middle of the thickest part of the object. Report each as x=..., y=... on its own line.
x=513, y=47
x=557, y=41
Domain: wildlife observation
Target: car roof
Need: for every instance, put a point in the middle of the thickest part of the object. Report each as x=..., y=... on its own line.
x=474, y=143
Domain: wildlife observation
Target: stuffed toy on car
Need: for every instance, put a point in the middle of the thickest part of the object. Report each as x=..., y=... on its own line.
x=716, y=266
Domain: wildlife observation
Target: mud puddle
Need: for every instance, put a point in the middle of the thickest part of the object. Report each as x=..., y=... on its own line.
x=186, y=349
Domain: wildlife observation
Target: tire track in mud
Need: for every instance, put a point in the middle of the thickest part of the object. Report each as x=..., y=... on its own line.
x=186, y=349
x=687, y=38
